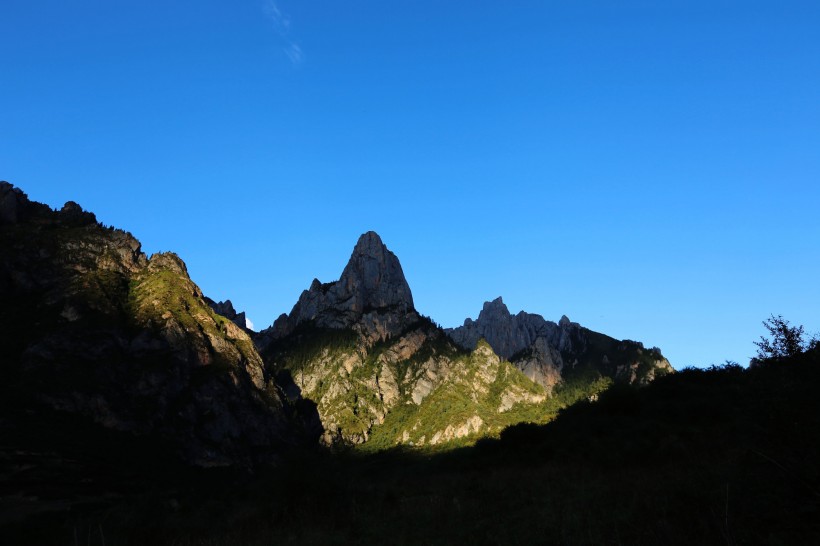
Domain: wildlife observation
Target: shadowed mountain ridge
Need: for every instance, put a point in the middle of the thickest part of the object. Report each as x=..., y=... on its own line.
x=91, y=326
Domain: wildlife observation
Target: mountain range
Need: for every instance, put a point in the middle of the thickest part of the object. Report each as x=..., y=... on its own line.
x=96, y=328
x=136, y=410
x=383, y=374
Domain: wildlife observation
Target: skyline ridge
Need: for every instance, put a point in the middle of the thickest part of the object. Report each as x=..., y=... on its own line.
x=524, y=307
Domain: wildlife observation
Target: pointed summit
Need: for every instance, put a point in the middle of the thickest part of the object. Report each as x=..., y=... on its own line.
x=564, y=322
x=507, y=334
x=372, y=282
x=369, y=243
x=373, y=277
x=493, y=309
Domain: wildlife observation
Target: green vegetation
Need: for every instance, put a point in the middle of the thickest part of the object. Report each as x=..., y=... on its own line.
x=101, y=291
x=460, y=400
x=83, y=294
x=159, y=297
x=620, y=355
x=303, y=347
x=718, y=456
x=316, y=358
x=468, y=401
x=785, y=341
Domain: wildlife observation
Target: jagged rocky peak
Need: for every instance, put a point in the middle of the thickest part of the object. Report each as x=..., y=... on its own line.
x=226, y=309
x=371, y=292
x=506, y=333
x=373, y=277
x=544, y=350
x=495, y=309
x=564, y=322
x=533, y=344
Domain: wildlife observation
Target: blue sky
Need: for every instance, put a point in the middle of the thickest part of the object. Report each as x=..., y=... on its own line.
x=650, y=169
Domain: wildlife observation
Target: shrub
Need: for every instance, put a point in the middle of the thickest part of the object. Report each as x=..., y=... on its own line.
x=786, y=341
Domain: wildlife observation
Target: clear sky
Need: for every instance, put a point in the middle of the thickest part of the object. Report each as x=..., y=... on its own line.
x=650, y=169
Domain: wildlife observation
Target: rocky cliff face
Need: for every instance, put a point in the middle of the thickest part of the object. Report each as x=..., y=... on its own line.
x=92, y=326
x=508, y=334
x=372, y=296
x=225, y=308
x=547, y=352
x=359, y=350
x=414, y=388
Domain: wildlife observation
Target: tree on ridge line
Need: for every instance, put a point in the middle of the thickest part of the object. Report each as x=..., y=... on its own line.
x=786, y=341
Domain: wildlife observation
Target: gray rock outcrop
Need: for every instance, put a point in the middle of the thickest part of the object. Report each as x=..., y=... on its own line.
x=226, y=309
x=372, y=293
x=509, y=334
x=546, y=351
x=532, y=343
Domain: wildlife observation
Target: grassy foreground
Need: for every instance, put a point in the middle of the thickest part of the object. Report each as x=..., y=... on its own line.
x=718, y=456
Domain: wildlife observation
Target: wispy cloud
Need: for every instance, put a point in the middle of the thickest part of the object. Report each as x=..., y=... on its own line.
x=249, y=324
x=281, y=24
x=294, y=53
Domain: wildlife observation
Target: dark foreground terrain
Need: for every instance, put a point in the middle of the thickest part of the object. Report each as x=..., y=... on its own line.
x=718, y=456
